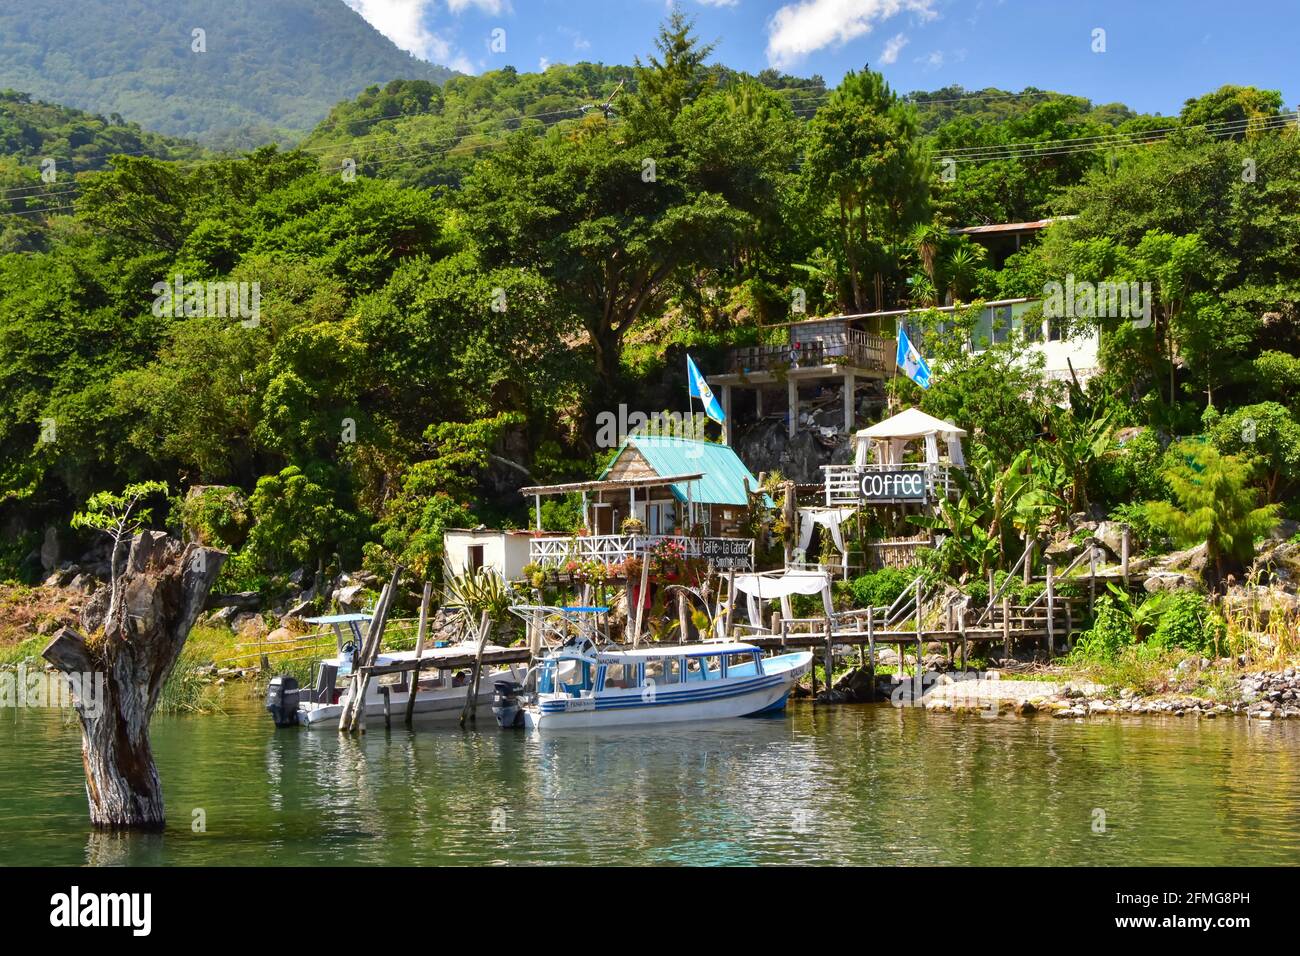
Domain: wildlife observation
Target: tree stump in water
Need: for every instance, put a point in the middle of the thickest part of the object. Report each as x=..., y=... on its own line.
x=117, y=674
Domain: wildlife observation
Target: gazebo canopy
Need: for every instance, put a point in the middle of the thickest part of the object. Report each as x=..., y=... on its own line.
x=912, y=423
x=891, y=436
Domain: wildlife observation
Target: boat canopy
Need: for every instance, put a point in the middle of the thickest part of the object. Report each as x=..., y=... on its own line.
x=693, y=650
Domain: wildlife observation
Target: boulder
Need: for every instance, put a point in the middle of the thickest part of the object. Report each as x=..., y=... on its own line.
x=1168, y=581
x=83, y=584
x=241, y=601
x=249, y=626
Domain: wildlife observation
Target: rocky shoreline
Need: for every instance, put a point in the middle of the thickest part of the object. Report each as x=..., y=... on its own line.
x=1258, y=695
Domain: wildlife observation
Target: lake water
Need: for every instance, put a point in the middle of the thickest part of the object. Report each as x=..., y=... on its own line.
x=865, y=784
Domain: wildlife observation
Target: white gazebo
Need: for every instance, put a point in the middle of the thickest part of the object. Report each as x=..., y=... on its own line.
x=879, y=474
x=886, y=442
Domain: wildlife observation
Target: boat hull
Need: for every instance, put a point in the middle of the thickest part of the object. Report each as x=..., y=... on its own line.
x=682, y=703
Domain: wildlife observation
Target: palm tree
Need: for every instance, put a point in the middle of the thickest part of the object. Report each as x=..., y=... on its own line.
x=1216, y=504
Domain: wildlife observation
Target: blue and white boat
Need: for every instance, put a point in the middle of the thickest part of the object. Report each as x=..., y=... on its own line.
x=579, y=686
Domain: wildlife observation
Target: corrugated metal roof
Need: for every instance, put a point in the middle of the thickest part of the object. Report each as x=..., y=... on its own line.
x=724, y=473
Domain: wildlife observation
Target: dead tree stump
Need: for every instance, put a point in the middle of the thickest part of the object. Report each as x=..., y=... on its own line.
x=118, y=672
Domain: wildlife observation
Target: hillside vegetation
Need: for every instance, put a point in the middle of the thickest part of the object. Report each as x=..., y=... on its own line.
x=442, y=328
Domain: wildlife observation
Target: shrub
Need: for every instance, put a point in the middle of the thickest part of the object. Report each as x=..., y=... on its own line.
x=881, y=588
x=1188, y=621
x=1111, y=632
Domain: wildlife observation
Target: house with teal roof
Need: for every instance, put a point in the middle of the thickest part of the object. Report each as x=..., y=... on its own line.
x=658, y=488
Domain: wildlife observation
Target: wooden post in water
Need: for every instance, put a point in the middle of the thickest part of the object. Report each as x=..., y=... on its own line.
x=916, y=677
x=1051, y=610
x=354, y=711
x=917, y=687
x=471, y=696
x=871, y=648
x=414, y=681
x=386, y=692
x=961, y=626
x=830, y=658
x=640, y=595
x=1006, y=627
x=731, y=602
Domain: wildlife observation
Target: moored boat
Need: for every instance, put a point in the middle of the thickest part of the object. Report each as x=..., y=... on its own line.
x=579, y=686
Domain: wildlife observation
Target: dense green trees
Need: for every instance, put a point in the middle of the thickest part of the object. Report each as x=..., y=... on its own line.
x=436, y=329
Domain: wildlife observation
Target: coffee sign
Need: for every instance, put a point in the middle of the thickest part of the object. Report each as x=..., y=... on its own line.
x=898, y=485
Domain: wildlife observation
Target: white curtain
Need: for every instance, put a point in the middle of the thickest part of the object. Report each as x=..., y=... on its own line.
x=830, y=518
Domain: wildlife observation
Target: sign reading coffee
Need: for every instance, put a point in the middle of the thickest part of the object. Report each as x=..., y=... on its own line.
x=892, y=485
x=726, y=552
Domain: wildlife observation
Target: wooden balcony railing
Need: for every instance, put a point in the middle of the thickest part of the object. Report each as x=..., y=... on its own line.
x=555, y=552
x=859, y=350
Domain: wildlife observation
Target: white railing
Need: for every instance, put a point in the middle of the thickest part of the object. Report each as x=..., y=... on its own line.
x=555, y=552
x=843, y=482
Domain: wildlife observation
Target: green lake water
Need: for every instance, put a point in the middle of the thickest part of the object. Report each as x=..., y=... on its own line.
x=867, y=784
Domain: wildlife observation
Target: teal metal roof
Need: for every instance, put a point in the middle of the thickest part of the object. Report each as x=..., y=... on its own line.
x=724, y=473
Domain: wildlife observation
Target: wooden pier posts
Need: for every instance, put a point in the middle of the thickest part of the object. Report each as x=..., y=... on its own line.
x=471, y=696
x=1006, y=627
x=425, y=600
x=1051, y=610
x=871, y=649
x=353, y=716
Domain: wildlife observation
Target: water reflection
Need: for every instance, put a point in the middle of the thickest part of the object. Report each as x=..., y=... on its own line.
x=870, y=784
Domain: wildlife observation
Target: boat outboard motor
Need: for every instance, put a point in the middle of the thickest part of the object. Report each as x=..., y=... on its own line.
x=282, y=700
x=505, y=703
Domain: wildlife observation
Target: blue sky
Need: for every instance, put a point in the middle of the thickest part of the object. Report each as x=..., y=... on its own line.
x=1157, y=52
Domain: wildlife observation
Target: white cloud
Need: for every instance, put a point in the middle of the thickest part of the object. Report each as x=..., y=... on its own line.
x=932, y=60
x=798, y=29
x=403, y=22
x=718, y=3
x=893, y=46
x=491, y=7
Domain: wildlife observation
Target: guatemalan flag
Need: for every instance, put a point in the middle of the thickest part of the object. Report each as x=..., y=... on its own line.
x=700, y=389
x=910, y=362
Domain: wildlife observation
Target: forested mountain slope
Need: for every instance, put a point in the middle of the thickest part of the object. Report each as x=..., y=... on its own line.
x=270, y=70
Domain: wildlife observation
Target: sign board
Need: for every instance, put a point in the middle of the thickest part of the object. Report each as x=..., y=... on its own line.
x=726, y=552
x=893, y=485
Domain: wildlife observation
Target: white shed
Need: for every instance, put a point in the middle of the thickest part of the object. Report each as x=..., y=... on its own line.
x=505, y=552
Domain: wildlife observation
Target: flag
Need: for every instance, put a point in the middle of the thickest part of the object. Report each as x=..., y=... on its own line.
x=700, y=389
x=910, y=362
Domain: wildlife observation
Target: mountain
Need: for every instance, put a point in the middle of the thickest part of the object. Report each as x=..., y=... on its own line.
x=269, y=70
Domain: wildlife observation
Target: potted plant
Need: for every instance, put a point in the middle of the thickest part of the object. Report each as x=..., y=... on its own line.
x=632, y=525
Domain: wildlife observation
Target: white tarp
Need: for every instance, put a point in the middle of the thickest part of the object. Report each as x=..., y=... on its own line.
x=830, y=518
x=770, y=587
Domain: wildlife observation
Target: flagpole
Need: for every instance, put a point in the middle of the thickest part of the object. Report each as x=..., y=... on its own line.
x=894, y=374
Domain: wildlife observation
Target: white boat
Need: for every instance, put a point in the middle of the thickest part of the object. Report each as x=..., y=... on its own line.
x=579, y=686
x=440, y=696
